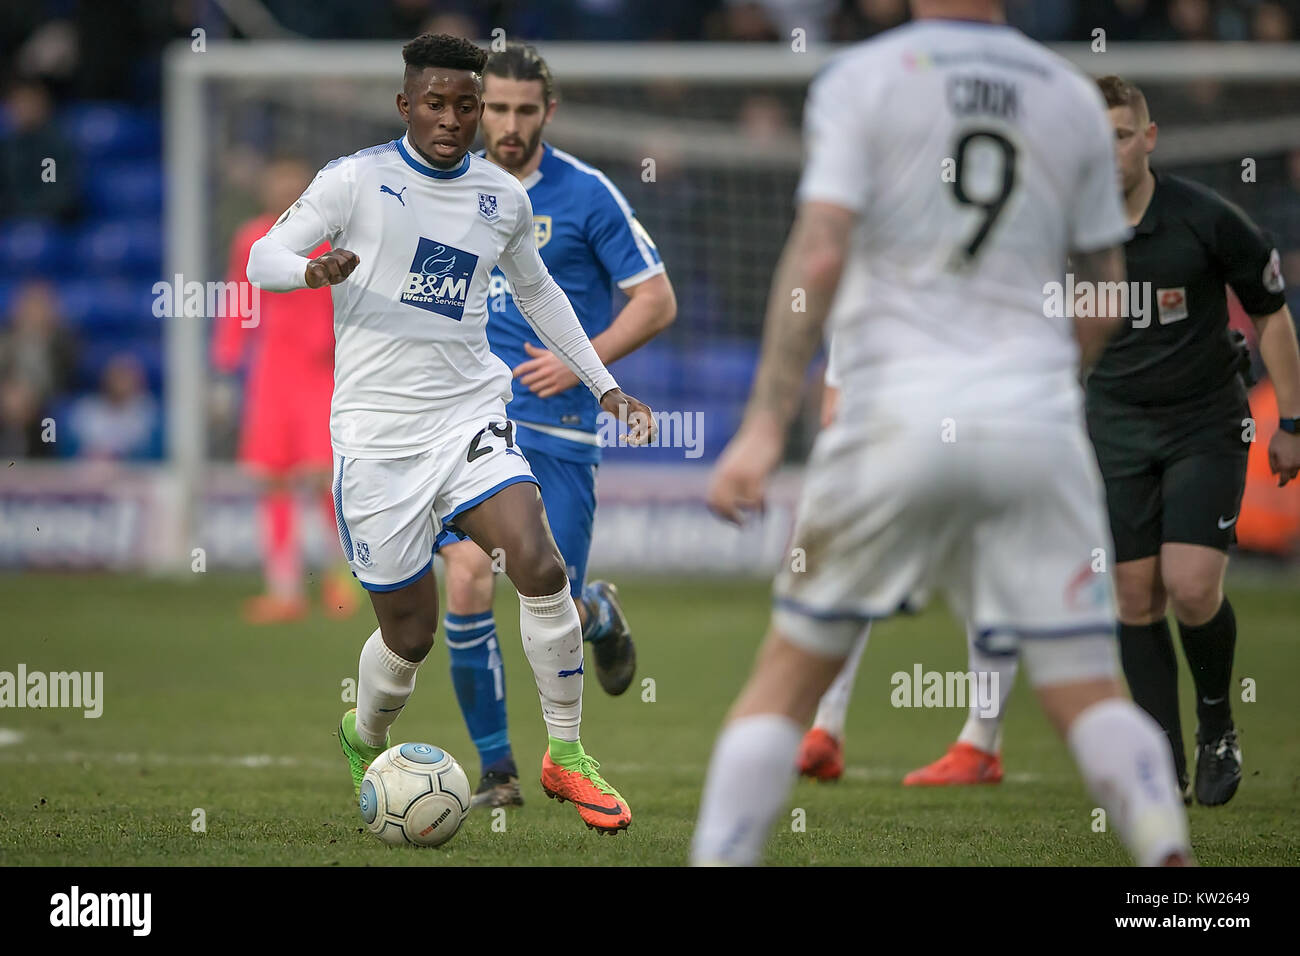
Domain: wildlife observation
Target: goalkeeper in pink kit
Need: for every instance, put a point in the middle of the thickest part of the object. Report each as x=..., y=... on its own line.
x=287, y=349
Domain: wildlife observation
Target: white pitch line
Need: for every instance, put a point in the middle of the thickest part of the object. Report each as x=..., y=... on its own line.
x=9, y=737
x=249, y=761
x=261, y=761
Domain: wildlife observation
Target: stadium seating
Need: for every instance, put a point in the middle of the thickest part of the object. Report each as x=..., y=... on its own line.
x=103, y=131
x=132, y=188
x=103, y=267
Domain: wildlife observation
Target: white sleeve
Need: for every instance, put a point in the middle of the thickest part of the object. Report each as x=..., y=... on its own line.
x=520, y=260
x=1097, y=219
x=547, y=309
x=836, y=139
x=276, y=262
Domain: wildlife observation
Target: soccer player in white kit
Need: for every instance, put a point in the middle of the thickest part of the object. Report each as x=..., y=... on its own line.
x=976, y=756
x=418, y=421
x=951, y=166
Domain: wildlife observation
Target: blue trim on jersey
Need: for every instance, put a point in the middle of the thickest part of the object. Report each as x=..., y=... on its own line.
x=344, y=534
x=1101, y=629
x=379, y=150
x=479, y=499
x=421, y=168
x=789, y=604
x=428, y=565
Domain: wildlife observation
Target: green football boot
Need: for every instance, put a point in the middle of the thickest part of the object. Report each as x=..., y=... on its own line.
x=358, y=753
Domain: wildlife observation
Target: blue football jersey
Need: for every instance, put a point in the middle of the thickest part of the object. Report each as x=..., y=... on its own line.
x=589, y=239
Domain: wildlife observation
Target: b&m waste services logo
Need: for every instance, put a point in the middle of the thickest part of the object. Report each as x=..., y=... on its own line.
x=439, y=278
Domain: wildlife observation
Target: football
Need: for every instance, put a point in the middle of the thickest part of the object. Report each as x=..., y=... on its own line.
x=414, y=794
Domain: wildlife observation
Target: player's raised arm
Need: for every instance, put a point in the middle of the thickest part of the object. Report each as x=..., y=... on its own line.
x=547, y=309
x=276, y=261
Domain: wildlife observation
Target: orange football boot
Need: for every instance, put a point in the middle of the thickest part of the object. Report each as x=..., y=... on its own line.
x=601, y=807
x=962, y=765
x=269, y=609
x=339, y=596
x=821, y=756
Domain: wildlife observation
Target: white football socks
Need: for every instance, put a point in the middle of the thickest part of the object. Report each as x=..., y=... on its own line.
x=749, y=781
x=833, y=708
x=984, y=730
x=552, y=636
x=384, y=682
x=1125, y=761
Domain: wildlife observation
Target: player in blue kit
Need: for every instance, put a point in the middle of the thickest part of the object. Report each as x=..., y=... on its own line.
x=590, y=240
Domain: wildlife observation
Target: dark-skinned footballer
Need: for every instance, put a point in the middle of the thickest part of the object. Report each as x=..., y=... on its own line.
x=418, y=421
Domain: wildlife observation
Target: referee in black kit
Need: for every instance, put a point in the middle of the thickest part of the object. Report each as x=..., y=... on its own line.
x=1168, y=416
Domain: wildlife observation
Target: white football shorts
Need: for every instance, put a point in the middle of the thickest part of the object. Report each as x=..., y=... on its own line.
x=390, y=510
x=1008, y=521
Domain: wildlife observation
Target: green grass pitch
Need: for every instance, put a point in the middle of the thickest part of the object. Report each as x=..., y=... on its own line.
x=202, y=711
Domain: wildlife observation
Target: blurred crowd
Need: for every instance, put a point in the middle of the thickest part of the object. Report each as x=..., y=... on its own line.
x=56, y=398
x=87, y=48
x=42, y=416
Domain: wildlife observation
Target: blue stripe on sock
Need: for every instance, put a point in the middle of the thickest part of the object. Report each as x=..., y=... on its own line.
x=465, y=632
x=493, y=742
x=479, y=686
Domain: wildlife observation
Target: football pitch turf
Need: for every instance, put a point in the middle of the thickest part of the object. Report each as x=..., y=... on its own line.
x=203, y=712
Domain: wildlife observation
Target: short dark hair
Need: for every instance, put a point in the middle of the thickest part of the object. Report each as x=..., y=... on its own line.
x=521, y=61
x=1120, y=92
x=441, y=49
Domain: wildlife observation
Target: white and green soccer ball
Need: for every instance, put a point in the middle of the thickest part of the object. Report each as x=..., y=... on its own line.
x=414, y=794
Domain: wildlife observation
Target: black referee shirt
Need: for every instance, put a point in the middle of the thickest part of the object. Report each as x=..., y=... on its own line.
x=1190, y=243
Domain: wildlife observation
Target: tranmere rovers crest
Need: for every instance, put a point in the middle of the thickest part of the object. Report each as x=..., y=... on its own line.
x=541, y=230
x=487, y=207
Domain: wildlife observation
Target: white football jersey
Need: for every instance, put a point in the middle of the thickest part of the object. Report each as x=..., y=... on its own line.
x=976, y=160
x=411, y=349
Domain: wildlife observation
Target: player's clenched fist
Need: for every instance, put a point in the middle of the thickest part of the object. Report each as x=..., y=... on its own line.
x=331, y=268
